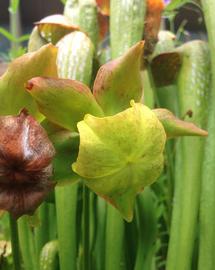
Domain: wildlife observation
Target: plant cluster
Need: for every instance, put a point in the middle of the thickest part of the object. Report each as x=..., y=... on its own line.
x=86, y=121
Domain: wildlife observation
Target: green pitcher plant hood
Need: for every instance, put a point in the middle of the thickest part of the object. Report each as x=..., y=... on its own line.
x=74, y=99
x=120, y=155
x=54, y=27
x=119, y=81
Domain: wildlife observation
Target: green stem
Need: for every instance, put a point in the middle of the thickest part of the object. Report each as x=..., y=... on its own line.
x=28, y=249
x=66, y=206
x=15, y=244
x=86, y=229
x=99, y=250
x=147, y=230
x=114, y=240
x=186, y=204
x=192, y=78
x=207, y=213
x=15, y=27
x=42, y=231
x=153, y=87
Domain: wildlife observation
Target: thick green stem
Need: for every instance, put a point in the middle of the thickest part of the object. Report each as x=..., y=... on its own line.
x=193, y=87
x=186, y=204
x=27, y=247
x=86, y=229
x=42, y=231
x=15, y=244
x=66, y=206
x=147, y=230
x=207, y=213
x=114, y=240
x=99, y=250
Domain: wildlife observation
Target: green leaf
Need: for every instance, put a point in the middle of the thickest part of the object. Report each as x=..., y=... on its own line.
x=54, y=27
x=14, y=6
x=64, y=102
x=175, y=127
x=7, y=34
x=119, y=81
x=12, y=91
x=75, y=57
x=119, y=155
x=10, y=37
x=88, y=19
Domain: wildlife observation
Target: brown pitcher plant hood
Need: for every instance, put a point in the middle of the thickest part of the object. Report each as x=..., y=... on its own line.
x=25, y=164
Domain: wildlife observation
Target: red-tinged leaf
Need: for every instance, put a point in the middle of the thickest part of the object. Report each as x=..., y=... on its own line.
x=63, y=101
x=152, y=24
x=54, y=27
x=103, y=25
x=104, y=6
x=119, y=81
x=25, y=164
x=174, y=127
x=13, y=96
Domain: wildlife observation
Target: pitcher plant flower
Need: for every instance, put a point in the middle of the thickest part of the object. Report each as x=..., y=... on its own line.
x=121, y=141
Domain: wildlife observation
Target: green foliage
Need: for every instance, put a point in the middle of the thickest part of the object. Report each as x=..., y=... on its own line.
x=114, y=149
x=10, y=37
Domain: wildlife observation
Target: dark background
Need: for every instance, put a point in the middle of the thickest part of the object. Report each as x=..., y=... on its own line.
x=31, y=10
x=34, y=10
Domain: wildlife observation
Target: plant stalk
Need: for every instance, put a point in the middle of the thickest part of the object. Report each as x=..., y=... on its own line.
x=28, y=248
x=42, y=231
x=66, y=206
x=114, y=239
x=15, y=27
x=193, y=88
x=86, y=229
x=207, y=213
x=15, y=244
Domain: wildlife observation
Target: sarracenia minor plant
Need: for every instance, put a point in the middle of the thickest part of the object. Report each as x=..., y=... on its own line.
x=89, y=120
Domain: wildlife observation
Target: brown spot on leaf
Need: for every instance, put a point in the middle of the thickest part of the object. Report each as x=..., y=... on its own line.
x=165, y=68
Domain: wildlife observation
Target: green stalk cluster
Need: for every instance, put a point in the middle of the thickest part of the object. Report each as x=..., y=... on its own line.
x=193, y=90
x=207, y=214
